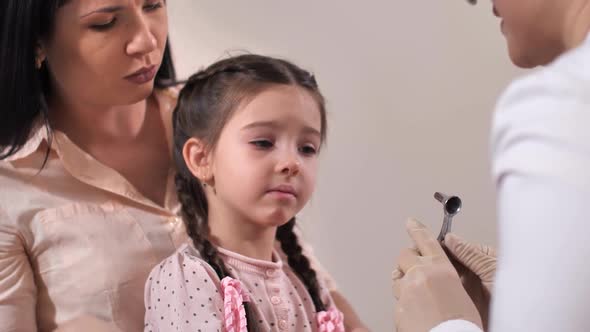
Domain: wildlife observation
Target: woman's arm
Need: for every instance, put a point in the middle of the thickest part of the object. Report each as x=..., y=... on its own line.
x=18, y=293
x=541, y=151
x=543, y=270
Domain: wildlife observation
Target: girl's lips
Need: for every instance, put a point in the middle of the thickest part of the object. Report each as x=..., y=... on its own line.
x=284, y=190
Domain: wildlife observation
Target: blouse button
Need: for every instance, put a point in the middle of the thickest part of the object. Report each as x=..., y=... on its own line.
x=270, y=273
x=282, y=324
x=275, y=300
x=174, y=220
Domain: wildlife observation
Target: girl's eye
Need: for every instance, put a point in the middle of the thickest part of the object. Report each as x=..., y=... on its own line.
x=153, y=6
x=262, y=144
x=308, y=150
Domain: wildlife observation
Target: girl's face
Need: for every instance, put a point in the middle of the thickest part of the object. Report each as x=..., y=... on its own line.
x=534, y=29
x=106, y=52
x=265, y=162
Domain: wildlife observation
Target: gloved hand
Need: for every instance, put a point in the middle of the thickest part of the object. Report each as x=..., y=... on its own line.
x=476, y=265
x=427, y=286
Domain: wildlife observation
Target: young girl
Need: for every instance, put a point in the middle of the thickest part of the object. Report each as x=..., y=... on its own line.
x=247, y=134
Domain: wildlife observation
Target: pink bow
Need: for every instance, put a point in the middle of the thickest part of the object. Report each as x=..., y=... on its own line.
x=233, y=305
x=330, y=320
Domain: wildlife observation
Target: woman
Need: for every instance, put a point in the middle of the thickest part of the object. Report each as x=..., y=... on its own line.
x=87, y=199
x=541, y=167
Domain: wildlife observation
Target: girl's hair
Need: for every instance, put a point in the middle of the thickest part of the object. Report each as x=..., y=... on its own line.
x=24, y=88
x=204, y=106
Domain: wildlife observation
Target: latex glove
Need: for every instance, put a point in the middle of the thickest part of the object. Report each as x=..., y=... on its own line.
x=476, y=264
x=427, y=286
x=478, y=258
x=87, y=323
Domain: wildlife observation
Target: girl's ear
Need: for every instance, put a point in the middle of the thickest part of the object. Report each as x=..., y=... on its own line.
x=198, y=160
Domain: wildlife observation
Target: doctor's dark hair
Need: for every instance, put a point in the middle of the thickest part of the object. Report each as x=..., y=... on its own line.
x=205, y=104
x=23, y=87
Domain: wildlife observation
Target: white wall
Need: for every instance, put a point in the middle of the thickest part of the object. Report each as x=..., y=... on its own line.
x=410, y=88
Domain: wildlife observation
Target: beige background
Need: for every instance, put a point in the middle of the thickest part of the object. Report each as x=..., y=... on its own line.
x=410, y=87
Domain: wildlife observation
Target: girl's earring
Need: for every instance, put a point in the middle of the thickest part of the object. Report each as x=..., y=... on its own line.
x=210, y=183
x=212, y=188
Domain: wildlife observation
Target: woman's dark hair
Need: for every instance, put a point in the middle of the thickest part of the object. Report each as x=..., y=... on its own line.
x=23, y=87
x=205, y=104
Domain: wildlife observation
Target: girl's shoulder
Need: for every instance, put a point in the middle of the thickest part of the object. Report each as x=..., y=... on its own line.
x=183, y=288
x=185, y=261
x=183, y=276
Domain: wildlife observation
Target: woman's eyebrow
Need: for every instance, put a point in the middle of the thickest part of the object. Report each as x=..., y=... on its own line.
x=110, y=9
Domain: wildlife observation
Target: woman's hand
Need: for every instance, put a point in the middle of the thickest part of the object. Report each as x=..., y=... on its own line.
x=427, y=286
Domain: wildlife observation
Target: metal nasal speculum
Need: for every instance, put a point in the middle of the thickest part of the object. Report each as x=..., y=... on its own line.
x=451, y=206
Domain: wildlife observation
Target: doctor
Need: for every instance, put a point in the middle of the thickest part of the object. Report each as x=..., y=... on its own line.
x=541, y=168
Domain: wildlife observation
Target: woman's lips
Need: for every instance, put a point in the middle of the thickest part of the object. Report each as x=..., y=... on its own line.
x=144, y=75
